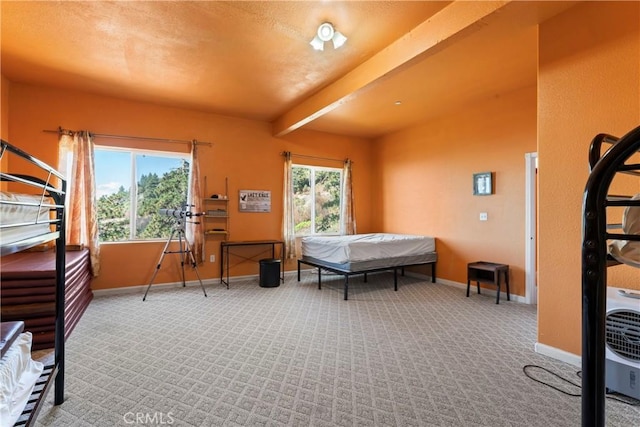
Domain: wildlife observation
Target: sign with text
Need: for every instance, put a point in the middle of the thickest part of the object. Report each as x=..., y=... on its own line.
x=255, y=201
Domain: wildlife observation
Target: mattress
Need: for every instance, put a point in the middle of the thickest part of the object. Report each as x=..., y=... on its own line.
x=627, y=251
x=375, y=264
x=28, y=292
x=360, y=248
x=39, y=265
x=18, y=375
x=23, y=217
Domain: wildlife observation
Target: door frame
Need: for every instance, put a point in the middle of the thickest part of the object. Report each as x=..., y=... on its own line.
x=531, y=245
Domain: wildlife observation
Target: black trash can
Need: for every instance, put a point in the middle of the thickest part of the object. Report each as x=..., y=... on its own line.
x=269, y=273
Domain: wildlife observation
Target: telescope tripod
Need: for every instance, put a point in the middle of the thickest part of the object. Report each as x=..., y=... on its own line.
x=183, y=249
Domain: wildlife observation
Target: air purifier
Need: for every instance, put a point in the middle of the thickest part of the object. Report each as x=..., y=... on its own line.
x=622, y=352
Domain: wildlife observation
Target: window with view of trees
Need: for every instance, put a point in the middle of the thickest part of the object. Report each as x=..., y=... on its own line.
x=131, y=186
x=316, y=199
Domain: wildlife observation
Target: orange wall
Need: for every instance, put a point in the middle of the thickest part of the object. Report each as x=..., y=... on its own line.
x=4, y=119
x=242, y=150
x=417, y=180
x=4, y=107
x=589, y=83
x=424, y=183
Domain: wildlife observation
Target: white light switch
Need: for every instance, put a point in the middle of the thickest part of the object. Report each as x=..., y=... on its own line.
x=212, y=258
x=483, y=216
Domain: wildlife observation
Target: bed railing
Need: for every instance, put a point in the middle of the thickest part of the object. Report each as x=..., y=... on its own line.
x=594, y=262
x=46, y=189
x=45, y=186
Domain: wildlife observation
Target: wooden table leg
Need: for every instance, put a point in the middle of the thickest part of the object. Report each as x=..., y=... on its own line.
x=506, y=281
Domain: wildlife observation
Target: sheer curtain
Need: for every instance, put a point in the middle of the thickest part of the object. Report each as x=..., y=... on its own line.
x=348, y=225
x=288, y=230
x=195, y=229
x=76, y=161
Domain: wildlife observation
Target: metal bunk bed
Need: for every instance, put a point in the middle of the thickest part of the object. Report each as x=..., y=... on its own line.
x=620, y=158
x=48, y=189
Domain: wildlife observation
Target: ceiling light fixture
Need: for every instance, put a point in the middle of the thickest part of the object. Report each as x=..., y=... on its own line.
x=325, y=33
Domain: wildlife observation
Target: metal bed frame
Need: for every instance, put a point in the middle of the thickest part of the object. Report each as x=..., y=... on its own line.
x=52, y=374
x=314, y=262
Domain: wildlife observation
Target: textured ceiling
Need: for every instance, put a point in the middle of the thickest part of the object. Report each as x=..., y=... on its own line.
x=253, y=59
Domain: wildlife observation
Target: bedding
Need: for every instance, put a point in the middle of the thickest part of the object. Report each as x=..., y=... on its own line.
x=627, y=251
x=18, y=376
x=366, y=247
x=23, y=216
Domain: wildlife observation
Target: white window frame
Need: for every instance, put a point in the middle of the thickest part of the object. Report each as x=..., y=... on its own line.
x=313, y=204
x=133, y=193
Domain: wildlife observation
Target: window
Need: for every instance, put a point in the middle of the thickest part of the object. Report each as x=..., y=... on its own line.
x=316, y=200
x=132, y=185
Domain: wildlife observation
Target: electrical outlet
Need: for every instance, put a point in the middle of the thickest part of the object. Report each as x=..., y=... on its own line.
x=212, y=258
x=483, y=216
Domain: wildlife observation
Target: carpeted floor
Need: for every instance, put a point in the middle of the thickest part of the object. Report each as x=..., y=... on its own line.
x=298, y=356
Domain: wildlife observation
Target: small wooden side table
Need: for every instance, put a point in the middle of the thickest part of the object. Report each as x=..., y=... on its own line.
x=488, y=272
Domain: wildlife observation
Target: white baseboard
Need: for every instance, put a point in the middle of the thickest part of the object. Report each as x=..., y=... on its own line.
x=492, y=292
x=558, y=354
x=141, y=289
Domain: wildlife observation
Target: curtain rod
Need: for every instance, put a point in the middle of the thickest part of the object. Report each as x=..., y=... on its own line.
x=284, y=153
x=61, y=131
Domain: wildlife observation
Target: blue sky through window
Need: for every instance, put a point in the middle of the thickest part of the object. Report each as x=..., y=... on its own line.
x=113, y=168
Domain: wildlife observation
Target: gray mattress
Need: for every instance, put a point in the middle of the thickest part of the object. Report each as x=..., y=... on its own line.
x=23, y=216
x=365, y=252
x=374, y=264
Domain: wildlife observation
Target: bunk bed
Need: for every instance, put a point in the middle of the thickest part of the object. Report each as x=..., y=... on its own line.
x=28, y=221
x=603, y=249
x=366, y=253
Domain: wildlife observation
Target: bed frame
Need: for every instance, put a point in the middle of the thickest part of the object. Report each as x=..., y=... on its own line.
x=595, y=260
x=52, y=374
x=346, y=272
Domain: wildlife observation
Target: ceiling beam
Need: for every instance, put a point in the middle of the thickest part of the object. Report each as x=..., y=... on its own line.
x=455, y=21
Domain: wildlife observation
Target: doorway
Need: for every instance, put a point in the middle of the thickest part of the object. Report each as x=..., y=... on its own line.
x=531, y=232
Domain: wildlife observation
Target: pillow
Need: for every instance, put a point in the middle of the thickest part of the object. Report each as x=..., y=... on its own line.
x=625, y=251
x=631, y=218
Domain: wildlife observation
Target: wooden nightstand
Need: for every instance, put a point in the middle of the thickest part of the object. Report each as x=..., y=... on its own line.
x=487, y=272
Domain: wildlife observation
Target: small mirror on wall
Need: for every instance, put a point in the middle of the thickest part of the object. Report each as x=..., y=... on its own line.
x=482, y=184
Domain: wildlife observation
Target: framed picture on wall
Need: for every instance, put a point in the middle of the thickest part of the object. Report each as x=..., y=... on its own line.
x=254, y=201
x=482, y=184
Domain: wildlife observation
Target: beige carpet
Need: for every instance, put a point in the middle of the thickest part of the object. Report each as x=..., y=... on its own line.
x=298, y=356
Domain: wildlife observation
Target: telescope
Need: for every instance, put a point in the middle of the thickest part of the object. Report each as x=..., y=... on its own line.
x=178, y=213
x=184, y=245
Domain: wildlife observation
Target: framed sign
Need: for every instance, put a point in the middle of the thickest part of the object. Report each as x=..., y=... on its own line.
x=482, y=184
x=254, y=201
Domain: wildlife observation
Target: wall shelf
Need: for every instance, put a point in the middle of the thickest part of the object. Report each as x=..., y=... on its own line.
x=216, y=216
